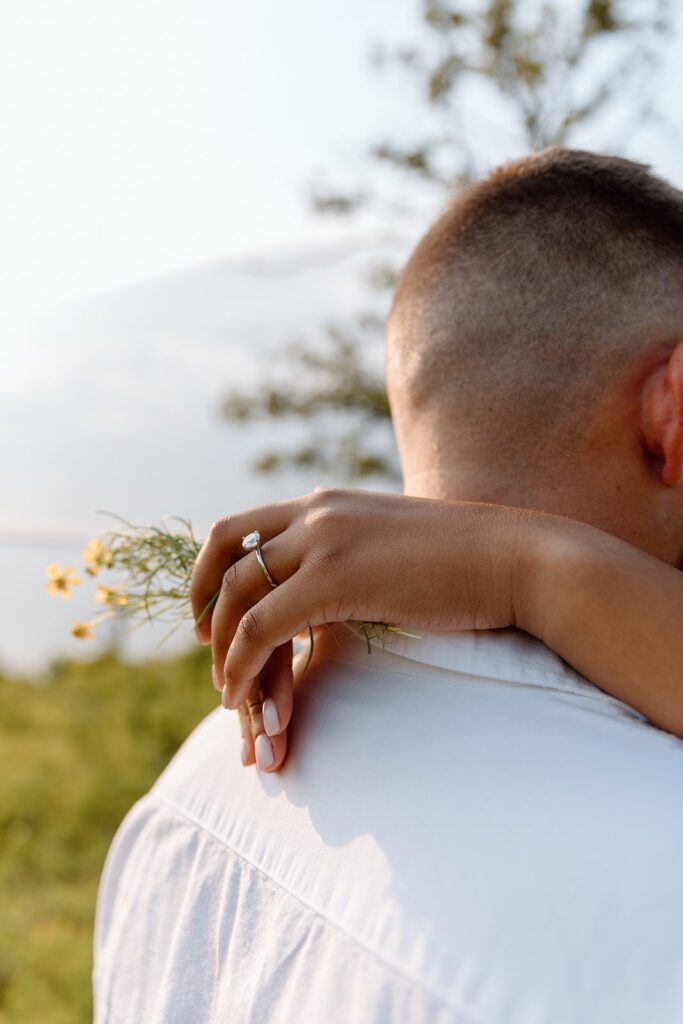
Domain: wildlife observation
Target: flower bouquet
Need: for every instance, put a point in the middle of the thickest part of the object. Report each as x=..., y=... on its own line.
x=156, y=563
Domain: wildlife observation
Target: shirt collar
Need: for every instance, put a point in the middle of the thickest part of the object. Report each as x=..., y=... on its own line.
x=509, y=655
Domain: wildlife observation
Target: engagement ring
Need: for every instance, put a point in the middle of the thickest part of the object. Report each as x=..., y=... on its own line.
x=252, y=542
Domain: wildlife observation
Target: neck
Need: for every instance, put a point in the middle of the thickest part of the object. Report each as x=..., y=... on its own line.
x=608, y=502
x=463, y=484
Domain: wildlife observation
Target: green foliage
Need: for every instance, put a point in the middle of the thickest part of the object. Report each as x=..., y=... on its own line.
x=337, y=379
x=551, y=69
x=77, y=748
x=538, y=58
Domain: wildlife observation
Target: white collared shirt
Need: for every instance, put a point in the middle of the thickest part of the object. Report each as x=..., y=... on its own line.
x=466, y=831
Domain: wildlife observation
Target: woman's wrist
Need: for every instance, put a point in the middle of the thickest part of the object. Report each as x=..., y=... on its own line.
x=493, y=553
x=549, y=553
x=558, y=574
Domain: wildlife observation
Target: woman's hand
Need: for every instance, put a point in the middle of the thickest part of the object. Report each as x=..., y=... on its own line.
x=610, y=610
x=340, y=555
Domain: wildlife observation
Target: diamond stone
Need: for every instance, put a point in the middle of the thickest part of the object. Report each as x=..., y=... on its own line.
x=251, y=541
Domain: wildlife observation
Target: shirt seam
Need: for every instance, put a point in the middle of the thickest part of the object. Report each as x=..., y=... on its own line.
x=434, y=996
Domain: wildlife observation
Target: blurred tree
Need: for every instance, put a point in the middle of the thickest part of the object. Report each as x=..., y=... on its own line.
x=549, y=72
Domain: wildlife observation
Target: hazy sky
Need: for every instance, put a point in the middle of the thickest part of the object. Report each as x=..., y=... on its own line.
x=144, y=135
x=141, y=143
x=144, y=141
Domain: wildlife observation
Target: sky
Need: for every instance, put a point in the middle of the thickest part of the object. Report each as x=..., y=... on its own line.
x=146, y=149
x=150, y=151
x=145, y=135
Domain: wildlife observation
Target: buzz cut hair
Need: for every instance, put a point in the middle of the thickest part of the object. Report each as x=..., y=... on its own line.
x=532, y=290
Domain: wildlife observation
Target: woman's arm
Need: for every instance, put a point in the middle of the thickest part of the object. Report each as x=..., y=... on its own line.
x=609, y=609
x=612, y=611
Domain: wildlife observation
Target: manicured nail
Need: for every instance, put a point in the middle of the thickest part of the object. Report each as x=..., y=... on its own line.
x=264, y=752
x=271, y=719
x=216, y=682
x=224, y=696
x=244, y=752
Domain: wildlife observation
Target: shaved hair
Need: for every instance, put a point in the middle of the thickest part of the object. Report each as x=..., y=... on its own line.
x=532, y=292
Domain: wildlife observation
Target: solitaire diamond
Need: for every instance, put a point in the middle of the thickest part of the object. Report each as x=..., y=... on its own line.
x=251, y=541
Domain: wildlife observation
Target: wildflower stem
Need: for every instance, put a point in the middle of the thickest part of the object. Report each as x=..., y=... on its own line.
x=156, y=563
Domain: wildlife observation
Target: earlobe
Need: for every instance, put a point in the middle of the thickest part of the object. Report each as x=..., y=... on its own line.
x=662, y=415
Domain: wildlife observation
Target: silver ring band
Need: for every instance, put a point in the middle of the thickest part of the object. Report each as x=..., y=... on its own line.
x=259, y=556
x=252, y=542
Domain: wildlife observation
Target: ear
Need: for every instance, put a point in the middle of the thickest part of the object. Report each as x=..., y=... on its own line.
x=662, y=415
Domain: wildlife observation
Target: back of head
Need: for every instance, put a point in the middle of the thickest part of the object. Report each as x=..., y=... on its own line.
x=532, y=292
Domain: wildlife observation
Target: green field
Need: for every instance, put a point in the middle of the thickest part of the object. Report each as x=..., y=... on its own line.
x=77, y=748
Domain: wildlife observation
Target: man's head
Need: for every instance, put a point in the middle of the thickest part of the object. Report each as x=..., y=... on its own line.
x=535, y=347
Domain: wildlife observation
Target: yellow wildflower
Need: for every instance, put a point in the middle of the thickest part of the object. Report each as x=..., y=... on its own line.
x=60, y=580
x=98, y=557
x=112, y=596
x=82, y=631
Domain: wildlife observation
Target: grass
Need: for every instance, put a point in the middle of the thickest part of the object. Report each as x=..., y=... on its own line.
x=77, y=748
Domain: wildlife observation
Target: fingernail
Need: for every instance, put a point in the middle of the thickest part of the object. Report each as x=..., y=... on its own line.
x=244, y=752
x=264, y=752
x=216, y=682
x=224, y=696
x=271, y=719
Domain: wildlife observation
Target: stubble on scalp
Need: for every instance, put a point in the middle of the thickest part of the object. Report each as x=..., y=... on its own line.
x=531, y=291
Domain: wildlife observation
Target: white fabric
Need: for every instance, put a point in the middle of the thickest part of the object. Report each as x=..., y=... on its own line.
x=467, y=832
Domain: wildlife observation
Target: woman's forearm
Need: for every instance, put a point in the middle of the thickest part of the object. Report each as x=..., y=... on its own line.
x=612, y=611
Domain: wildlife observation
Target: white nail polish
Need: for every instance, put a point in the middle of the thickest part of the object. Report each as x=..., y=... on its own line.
x=224, y=696
x=264, y=752
x=271, y=719
x=244, y=752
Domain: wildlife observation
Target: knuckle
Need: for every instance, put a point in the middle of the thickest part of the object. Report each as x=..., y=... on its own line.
x=323, y=495
x=250, y=626
x=230, y=577
x=329, y=500
x=218, y=530
x=253, y=706
x=326, y=517
x=329, y=557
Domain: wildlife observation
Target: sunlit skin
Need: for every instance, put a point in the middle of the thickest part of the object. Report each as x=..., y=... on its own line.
x=625, y=479
x=535, y=376
x=445, y=565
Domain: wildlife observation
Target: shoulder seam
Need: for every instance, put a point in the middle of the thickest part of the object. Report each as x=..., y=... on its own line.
x=435, y=996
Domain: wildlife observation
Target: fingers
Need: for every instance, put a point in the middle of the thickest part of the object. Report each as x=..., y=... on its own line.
x=251, y=727
x=242, y=587
x=268, y=751
x=223, y=546
x=277, y=686
x=273, y=621
x=247, y=753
